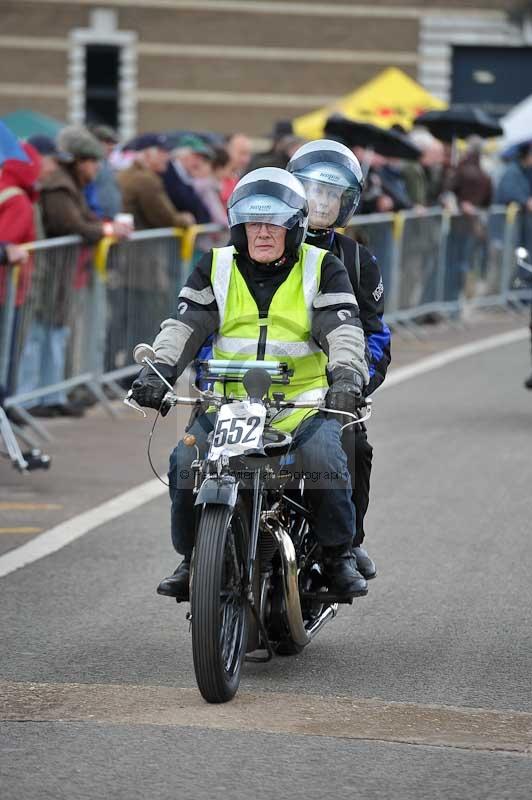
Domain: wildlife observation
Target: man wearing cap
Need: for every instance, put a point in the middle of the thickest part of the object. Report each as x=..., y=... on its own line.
x=50, y=158
x=50, y=155
x=106, y=190
x=143, y=189
x=142, y=278
x=63, y=205
x=192, y=160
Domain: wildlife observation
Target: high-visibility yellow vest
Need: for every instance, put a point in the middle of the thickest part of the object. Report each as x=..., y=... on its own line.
x=285, y=335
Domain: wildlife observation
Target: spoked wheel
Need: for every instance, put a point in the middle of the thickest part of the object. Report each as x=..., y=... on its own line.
x=218, y=603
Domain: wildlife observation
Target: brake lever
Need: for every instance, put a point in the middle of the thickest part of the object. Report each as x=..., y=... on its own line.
x=127, y=402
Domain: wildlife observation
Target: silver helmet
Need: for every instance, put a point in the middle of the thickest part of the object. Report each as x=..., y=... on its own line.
x=332, y=177
x=269, y=195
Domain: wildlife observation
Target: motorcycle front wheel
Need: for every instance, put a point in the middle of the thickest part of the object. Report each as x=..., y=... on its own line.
x=218, y=602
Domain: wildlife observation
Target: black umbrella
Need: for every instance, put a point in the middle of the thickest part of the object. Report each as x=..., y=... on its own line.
x=386, y=142
x=459, y=123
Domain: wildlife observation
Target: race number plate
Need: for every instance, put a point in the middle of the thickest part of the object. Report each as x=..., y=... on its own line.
x=239, y=428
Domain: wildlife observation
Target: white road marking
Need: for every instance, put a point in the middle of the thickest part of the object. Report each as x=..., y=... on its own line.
x=438, y=360
x=54, y=539
x=66, y=532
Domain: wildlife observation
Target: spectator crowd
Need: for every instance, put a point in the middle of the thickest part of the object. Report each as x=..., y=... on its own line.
x=89, y=183
x=85, y=181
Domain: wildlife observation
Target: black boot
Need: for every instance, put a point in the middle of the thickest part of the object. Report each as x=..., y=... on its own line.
x=341, y=572
x=365, y=564
x=528, y=382
x=176, y=585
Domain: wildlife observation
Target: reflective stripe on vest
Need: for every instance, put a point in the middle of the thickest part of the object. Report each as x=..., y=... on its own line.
x=288, y=326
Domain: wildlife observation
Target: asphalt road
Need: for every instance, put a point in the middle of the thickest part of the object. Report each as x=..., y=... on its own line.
x=421, y=690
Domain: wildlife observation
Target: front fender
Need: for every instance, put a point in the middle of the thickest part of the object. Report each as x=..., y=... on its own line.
x=221, y=491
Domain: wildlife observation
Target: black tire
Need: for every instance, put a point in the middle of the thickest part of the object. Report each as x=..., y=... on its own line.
x=218, y=604
x=288, y=648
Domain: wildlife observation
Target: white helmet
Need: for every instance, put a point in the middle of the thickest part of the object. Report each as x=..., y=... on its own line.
x=269, y=195
x=320, y=166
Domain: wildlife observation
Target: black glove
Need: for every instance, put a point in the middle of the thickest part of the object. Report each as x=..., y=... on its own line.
x=345, y=393
x=148, y=389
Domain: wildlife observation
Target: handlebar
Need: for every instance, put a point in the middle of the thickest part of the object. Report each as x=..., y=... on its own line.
x=171, y=399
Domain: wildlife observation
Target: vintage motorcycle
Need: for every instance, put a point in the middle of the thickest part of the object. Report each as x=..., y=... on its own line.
x=257, y=587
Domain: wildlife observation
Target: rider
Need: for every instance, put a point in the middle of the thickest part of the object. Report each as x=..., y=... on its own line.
x=269, y=295
x=333, y=181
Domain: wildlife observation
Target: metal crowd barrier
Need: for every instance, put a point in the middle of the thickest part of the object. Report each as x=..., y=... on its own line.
x=436, y=262
x=141, y=278
x=378, y=231
x=71, y=316
x=43, y=319
x=198, y=240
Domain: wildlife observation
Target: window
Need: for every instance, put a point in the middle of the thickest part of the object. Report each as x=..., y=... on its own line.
x=101, y=84
x=103, y=74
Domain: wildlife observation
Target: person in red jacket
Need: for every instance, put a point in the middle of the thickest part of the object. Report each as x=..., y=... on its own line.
x=18, y=193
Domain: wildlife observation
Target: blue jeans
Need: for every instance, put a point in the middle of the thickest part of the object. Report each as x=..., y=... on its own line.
x=43, y=362
x=319, y=456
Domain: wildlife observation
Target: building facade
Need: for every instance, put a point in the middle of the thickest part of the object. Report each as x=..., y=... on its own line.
x=228, y=65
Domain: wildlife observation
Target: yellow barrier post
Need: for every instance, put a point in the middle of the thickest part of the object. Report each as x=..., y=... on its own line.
x=187, y=247
x=509, y=243
x=398, y=226
x=101, y=255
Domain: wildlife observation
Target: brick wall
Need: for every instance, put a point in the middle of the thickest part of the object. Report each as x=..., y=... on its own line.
x=373, y=36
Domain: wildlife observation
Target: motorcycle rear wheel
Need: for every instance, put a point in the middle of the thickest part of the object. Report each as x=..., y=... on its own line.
x=219, y=607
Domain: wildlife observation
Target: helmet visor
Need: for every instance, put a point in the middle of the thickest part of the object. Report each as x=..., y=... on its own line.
x=330, y=204
x=332, y=179
x=263, y=208
x=325, y=172
x=267, y=201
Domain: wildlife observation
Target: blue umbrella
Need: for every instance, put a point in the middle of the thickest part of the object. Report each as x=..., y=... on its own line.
x=9, y=146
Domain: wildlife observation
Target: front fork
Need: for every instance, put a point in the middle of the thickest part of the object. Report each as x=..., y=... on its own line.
x=222, y=489
x=256, y=508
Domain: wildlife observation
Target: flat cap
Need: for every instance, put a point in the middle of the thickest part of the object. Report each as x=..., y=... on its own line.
x=79, y=143
x=146, y=140
x=104, y=133
x=196, y=144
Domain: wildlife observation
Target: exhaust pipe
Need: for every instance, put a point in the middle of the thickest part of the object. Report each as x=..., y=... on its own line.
x=318, y=623
x=299, y=633
x=290, y=585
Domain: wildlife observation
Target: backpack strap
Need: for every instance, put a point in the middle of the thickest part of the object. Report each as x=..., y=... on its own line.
x=357, y=265
x=341, y=256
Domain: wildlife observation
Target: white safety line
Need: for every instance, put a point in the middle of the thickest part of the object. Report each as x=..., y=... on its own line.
x=54, y=539
x=438, y=360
